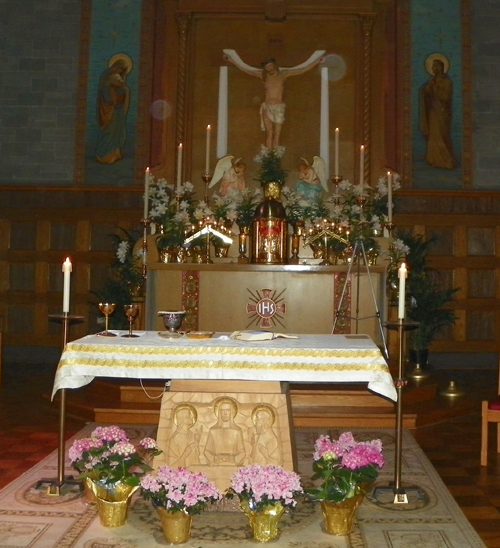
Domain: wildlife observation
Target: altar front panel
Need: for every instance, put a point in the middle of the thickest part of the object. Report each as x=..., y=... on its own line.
x=306, y=300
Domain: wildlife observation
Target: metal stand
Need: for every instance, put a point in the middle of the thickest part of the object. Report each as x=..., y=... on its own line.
x=359, y=249
x=400, y=493
x=55, y=486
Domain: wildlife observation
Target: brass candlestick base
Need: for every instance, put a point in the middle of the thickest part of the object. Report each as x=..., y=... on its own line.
x=452, y=391
x=418, y=373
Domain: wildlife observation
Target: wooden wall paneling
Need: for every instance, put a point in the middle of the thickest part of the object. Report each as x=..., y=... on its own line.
x=83, y=235
x=481, y=241
x=4, y=234
x=23, y=235
x=43, y=235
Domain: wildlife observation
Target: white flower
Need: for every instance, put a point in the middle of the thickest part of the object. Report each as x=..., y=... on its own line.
x=122, y=251
x=400, y=246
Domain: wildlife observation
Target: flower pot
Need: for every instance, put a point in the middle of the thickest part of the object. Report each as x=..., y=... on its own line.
x=113, y=502
x=340, y=518
x=88, y=493
x=176, y=526
x=264, y=523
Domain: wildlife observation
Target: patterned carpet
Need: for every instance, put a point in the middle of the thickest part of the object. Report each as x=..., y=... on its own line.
x=431, y=519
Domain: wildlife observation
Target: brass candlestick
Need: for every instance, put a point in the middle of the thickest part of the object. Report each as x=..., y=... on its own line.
x=336, y=179
x=207, y=177
x=400, y=492
x=55, y=486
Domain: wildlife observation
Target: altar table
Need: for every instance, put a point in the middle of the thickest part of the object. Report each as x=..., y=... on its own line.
x=307, y=359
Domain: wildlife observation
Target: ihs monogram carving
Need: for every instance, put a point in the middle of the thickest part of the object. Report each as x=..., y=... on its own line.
x=266, y=307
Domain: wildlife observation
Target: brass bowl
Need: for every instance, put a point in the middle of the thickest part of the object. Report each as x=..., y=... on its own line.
x=200, y=334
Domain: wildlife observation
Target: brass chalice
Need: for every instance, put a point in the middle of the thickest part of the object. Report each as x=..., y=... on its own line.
x=131, y=311
x=172, y=321
x=107, y=309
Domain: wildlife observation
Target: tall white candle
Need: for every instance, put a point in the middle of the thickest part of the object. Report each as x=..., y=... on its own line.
x=389, y=196
x=402, y=273
x=222, y=117
x=146, y=194
x=66, y=268
x=179, y=167
x=324, y=120
x=361, y=165
x=207, y=151
x=337, y=132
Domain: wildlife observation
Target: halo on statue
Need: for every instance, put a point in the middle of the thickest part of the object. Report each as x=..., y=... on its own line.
x=268, y=409
x=121, y=57
x=226, y=399
x=440, y=57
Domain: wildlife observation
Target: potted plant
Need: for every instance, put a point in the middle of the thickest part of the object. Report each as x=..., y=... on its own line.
x=265, y=492
x=344, y=468
x=126, y=283
x=112, y=466
x=177, y=494
x=427, y=300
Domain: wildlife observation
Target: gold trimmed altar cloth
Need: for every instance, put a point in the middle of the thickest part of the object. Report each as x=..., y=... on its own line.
x=307, y=359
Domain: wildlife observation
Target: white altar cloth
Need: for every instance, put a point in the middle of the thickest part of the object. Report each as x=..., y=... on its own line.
x=307, y=359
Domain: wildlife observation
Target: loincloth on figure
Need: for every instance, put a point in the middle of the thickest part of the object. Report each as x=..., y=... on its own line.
x=275, y=113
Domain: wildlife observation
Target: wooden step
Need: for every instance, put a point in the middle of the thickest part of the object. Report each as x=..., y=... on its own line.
x=302, y=395
x=127, y=402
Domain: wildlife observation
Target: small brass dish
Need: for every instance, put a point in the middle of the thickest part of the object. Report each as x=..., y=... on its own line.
x=200, y=334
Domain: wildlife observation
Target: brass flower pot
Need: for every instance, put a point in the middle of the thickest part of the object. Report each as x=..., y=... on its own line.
x=264, y=523
x=340, y=518
x=176, y=526
x=113, y=502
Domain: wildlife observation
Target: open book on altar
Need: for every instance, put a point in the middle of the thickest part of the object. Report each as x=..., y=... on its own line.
x=259, y=335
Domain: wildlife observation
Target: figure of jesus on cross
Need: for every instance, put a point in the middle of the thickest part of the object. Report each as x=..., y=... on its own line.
x=272, y=110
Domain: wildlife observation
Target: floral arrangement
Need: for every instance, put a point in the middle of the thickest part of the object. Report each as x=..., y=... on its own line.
x=271, y=169
x=128, y=263
x=126, y=282
x=245, y=203
x=109, y=457
x=260, y=486
x=179, y=490
x=343, y=466
x=171, y=208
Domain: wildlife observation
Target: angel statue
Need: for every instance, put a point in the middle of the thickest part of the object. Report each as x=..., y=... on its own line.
x=311, y=180
x=231, y=175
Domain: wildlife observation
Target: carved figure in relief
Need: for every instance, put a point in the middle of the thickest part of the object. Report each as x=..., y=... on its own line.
x=436, y=114
x=272, y=110
x=266, y=448
x=183, y=446
x=225, y=444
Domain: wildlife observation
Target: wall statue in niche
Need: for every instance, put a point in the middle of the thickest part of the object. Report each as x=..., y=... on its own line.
x=435, y=115
x=272, y=110
x=218, y=433
x=113, y=102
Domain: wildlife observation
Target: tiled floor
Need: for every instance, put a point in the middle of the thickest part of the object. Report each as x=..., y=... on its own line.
x=29, y=431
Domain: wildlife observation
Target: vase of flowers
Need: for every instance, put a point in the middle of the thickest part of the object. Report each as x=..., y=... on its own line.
x=111, y=466
x=177, y=494
x=265, y=492
x=344, y=468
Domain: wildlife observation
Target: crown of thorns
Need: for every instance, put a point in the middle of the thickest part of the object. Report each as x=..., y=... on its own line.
x=268, y=62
